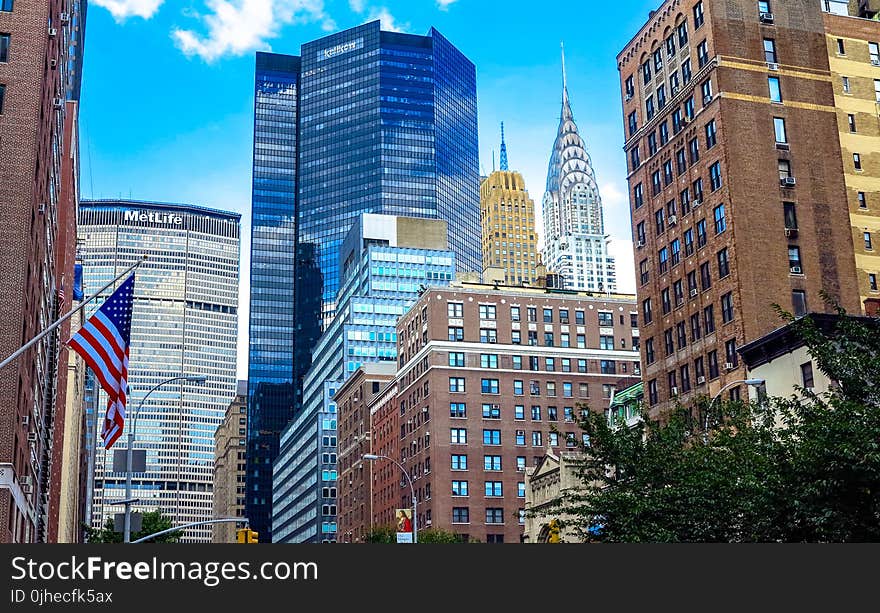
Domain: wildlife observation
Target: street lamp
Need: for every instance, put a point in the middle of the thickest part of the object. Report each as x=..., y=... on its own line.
x=372, y=458
x=751, y=382
x=126, y=530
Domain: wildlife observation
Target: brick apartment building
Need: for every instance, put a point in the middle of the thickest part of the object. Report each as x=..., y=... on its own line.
x=735, y=184
x=488, y=379
x=230, y=440
x=353, y=402
x=40, y=64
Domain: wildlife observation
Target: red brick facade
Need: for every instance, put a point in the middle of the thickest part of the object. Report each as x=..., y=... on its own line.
x=744, y=256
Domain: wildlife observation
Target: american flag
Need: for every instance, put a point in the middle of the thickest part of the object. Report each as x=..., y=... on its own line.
x=103, y=343
x=61, y=296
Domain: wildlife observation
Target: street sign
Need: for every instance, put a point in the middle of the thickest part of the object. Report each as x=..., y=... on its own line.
x=138, y=460
x=137, y=522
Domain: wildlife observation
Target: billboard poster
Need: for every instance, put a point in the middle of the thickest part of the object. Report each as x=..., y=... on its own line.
x=404, y=525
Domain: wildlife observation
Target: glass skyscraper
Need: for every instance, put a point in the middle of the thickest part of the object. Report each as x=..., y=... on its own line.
x=184, y=322
x=365, y=121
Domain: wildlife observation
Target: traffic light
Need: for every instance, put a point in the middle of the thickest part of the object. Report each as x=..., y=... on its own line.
x=246, y=535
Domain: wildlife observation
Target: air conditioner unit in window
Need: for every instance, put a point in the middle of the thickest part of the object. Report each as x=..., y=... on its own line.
x=673, y=220
x=875, y=62
x=58, y=102
x=674, y=391
x=629, y=97
x=65, y=17
x=707, y=99
x=640, y=244
x=698, y=201
x=53, y=63
x=694, y=293
x=32, y=437
x=728, y=366
x=796, y=270
x=493, y=340
x=53, y=31
x=766, y=17
x=41, y=208
x=25, y=421
x=791, y=232
x=772, y=66
x=26, y=480
x=783, y=146
x=675, y=90
x=27, y=489
x=701, y=380
x=788, y=181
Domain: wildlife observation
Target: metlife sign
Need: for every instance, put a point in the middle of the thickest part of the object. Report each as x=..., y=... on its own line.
x=160, y=219
x=354, y=45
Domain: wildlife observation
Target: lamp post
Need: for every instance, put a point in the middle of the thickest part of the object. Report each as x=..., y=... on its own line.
x=751, y=382
x=372, y=458
x=126, y=531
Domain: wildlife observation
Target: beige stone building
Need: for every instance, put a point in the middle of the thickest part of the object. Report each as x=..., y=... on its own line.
x=230, y=442
x=854, y=57
x=555, y=474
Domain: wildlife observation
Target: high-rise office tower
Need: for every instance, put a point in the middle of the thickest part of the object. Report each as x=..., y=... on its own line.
x=735, y=181
x=364, y=121
x=38, y=147
x=575, y=243
x=853, y=47
x=184, y=323
x=386, y=262
x=508, y=218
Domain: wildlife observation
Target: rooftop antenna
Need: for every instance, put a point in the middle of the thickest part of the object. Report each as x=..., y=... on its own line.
x=564, y=75
x=504, y=165
x=493, y=160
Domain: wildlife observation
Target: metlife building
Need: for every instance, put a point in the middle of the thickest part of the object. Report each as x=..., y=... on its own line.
x=184, y=322
x=363, y=121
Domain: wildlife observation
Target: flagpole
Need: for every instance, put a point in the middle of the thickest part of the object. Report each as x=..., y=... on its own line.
x=60, y=321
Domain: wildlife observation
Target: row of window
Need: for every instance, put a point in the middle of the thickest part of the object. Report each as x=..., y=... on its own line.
x=490, y=336
x=680, y=382
x=459, y=436
x=678, y=288
x=490, y=361
x=458, y=410
x=491, y=489
x=489, y=312
x=461, y=515
x=457, y=385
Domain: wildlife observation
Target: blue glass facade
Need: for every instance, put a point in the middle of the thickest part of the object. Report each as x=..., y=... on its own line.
x=364, y=121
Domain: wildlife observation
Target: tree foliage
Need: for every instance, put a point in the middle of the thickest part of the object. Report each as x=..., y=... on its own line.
x=388, y=534
x=153, y=522
x=800, y=469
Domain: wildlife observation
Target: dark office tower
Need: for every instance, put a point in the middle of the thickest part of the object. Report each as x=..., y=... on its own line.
x=365, y=121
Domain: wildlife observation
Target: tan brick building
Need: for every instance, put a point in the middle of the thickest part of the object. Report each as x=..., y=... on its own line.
x=353, y=401
x=230, y=451
x=488, y=380
x=36, y=148
x=854, y=57
x=732, y=142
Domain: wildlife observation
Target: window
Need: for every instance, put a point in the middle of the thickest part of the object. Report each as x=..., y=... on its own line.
x=668, y=342
x=667, y=172
x=647, y=314
x=665, y=302
x=563, y=316
x=697, y=187
x=872, y=282
x=564, y=341
x=552, y=413
x=494, y=516
x=869, y=245
x=663, y=259
x=640, y=236
x=460, y=515
x=658, y=61
x=536, y=413
x=644, y=273
x=493, y=490
x=456, y=384
x=673, y=83
x=456, y=359
x=488, y=386
x=487, y=311
x=671, y=380
x=678, y=292
x=723, y=264
x=491, y=437
x=458, y=436
x=608, y=367
x=689, y=110
x=518, y=388
x=670, y=45
x=519, y=412
x=4, y=48
x=515, y=337
x=548, y=339
x=6, y=5
x=537, y=439
x=456, y=334
x=661, y=97
x=582, y=366
x=638, y=196
x=686, y=72
x=532, y=313
x=845, y=83
x=705, y=276
x=534, y=388
x=720, y=220
x=763, y=7
x=680, y=161
x=633, y=124
x=807, y=375
x=799, y=302
x=873, y=49
x=712, y=358
x=653, y=397
x=711, y=136
x=851, y=121
x=655, y=183
x=689, y=242
x=699, y=370
x=703, y=58
x=520, y=437
x=459, y=488
x=876, y=89
x=660, y=221
x=709, y=319
x=491, y=411
x=698, y=16
x=770, y=50
x=727, y=308
x=696, y=332
x=488, y=360
x=857, y=161
x=692, y=282
x=606, y=342
x=863, y=202
x=516, y=362
x=630, y=87
x=488, y=335
x=652, y=143
x=681, y=335
x=457, y=409
x=701, y=233
x=789, y=215
x=775, y=89
x=682, y=34
x=694, y=151
x=455, y=309
x=730, y=354
x=841, y=48
x=715, y=176
x=581, y=340
x=779, y=130
x=551, y=388
x=459, y=462
x=784, y=169
x=794, y=259
x=649, y=351
x=664, y=133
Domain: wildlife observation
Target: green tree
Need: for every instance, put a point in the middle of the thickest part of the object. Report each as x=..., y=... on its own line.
x=382, y=534
x=153, y=522
x=803, y=469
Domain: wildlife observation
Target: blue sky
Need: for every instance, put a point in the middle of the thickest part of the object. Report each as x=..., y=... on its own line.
x=167, y=103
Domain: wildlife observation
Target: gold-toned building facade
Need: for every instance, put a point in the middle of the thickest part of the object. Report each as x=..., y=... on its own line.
x=229, y=466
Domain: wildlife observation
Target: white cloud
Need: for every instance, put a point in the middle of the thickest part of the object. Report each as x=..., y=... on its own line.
x=123, y=9
x=357, y=5
x=236, y=27
x=444, y=4
x=387, y=20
